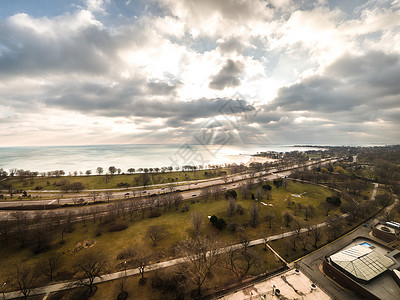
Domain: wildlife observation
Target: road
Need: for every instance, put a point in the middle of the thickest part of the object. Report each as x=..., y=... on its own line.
x=311, y=264
x=192, y=187
x=68, y=285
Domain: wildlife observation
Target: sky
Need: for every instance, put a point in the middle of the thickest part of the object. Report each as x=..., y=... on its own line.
x=209, y=72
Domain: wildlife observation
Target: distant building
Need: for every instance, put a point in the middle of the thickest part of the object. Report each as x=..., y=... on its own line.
x=387, y=232
x=368, y=267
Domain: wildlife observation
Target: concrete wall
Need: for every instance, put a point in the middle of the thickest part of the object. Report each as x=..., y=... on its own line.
x=384, y=236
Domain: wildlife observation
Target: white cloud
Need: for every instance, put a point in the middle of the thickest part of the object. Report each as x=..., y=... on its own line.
x=120, y=78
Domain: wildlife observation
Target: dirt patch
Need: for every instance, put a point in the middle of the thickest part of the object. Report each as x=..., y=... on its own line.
x=84, y=244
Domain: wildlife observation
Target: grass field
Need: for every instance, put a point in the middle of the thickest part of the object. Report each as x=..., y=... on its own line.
x=101, y=182
x=177, y=223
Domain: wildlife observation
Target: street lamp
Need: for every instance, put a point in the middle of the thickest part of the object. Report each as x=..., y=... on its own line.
x=125, y=267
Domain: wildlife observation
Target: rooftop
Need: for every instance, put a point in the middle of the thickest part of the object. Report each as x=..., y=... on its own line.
x=382, y=284
x=362, y=261
x=292, y=285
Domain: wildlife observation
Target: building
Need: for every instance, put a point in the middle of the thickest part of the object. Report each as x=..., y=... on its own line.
x=368, y=267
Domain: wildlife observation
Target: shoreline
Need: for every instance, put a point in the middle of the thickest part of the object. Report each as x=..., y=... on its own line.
x=260, y=159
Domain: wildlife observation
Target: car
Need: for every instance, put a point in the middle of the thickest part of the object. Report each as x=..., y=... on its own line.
x=193, y=195
x=144, y=192
x=163, y=188
x=233, y=184
x=195, y=183
x=224, y=188
x=126, y=194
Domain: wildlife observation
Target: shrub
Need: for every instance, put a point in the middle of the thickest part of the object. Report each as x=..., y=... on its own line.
x=239, y=209
x=185, y=208
x=123, y=295
x=231, y=194
x=232, y=227
x=154, y=214
x=213, y=219
x=126, y=253
x=218, y=222
x=117, y=227
x=335, y=200
x=266, y=187
x=221, y=224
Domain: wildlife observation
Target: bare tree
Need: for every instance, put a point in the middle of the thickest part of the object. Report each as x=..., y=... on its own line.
x=132, y=208
x=217, y=191
x=177, y=198
x=296, y=227
x=254, y=214
x=156, y=233
x=69, y=221
x=239, y=262
x=287, y=218
x=316, y=233
x=231, y=207
x=25, y=277
x=335, y=227
x=201, y=255
x=22, y=227
x=197, y=221
x=141, y=261
x=304, y=241
x=94, y=195
x=259, y=194
x=244, y=239
x=352, y=208
x=89, y=266
x=4, y=228
x=269, y=217
x=49, y=265
x=108, y=195
x=94, y=211
x=205, y=193
x=327, y=207
x=245, y=190
x=293, y=241
x=308, y=212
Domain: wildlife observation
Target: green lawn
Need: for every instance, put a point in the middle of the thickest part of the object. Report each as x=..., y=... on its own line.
x=100, y=182
x=177, y=223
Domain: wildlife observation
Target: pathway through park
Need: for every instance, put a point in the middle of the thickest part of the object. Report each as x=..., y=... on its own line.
x=45, y=290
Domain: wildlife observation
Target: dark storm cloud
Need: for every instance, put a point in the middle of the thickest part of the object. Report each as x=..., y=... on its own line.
x=227, y=76
x=129, y=99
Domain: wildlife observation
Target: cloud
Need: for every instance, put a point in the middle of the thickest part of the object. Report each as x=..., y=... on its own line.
x=306, y=67
x=71, y=43
x=162, y=88
x=356, y=93
x=227, y=76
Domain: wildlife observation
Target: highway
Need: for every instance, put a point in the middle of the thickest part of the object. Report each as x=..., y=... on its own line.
x=189, y=190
